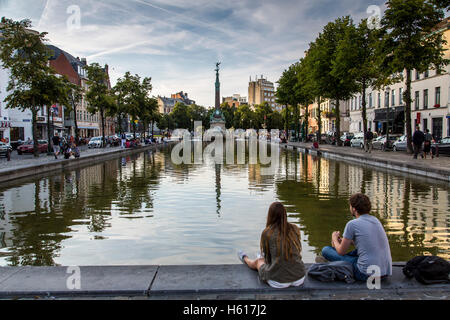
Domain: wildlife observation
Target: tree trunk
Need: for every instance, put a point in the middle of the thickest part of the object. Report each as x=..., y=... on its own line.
x=74, y=108
x=35, y=138
x=338, y=124
x=49, y=132
x=306, y=122
x=364, y=108
x=319, y=120
x=102, y=115
x=408, y=101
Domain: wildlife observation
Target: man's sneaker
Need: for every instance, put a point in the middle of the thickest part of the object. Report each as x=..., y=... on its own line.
x=241, y=255
x=320, y=259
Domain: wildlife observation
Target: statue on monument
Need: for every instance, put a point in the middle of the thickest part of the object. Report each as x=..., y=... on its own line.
x=217, y=118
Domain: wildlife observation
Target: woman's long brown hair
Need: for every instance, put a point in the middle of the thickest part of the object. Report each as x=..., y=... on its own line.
x=289, y=235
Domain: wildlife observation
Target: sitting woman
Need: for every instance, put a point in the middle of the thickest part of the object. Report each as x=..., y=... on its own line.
x=281, y=265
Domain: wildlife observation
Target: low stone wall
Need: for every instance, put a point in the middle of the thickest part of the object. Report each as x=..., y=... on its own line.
x=163, y=281
x=7, y=175
x=395, y=165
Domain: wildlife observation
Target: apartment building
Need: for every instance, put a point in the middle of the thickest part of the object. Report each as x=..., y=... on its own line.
x=261, y=90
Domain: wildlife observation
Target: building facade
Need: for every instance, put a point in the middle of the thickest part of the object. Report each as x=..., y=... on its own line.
x=235, y=100
x=166, y=105
x=261, y=90
x=430, y=107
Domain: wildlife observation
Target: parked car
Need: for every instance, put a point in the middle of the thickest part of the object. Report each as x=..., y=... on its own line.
x=29, y=148
x=442, y=147
x=95, y=142
x=346, y=138
x=4, y=149
x=357, y=141
x=400, y=144
x=380, y=142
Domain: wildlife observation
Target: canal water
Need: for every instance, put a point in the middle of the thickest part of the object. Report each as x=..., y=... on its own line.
x=144, y=209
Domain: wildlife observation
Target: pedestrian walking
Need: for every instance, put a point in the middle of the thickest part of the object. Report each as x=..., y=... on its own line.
x=56, y=145
x=427, y=144
x=369, y=141
x=124, y=140
x=418, y=140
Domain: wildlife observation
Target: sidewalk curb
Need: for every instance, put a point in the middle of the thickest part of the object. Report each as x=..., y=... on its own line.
x=389, y=164
x=58, y=165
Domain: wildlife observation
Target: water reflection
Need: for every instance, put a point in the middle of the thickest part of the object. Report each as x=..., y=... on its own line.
x=143, y=209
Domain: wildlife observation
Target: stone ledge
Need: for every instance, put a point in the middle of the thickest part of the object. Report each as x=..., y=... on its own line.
x=390, y=164
x=157, y=281
x=31, y=170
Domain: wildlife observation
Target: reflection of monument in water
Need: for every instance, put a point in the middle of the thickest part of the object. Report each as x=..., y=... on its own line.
x=217, y=119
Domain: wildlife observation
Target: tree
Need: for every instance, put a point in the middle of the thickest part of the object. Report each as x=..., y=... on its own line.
x=229, y=113
x=149, y=113
x=75, y=95
x=245, y=117
x=53, y=90
x=181, y=117
x=286, y=94
x=356, y=55
x=263, y=114
x=122, y=91
x=25, y=55
x=99, y=96
x=336, y=82
x=410, y=43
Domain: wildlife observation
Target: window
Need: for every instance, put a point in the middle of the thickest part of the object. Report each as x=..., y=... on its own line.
x=393, y=98
x=417, y=75
x=360, y=101
x=425, y=99
x=370, y=100
x=417, y=100
x=379, y=100
x=400, y=93
x=386, y=99
x=425, y=125
x=426, y=74
x=438, y=96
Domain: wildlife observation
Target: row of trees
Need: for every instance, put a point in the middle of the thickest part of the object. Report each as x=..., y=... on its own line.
x=243, y=117
x=33, y=84
x=346, y=59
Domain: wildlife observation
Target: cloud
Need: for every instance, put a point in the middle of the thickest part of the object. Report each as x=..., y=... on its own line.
x=177, y=42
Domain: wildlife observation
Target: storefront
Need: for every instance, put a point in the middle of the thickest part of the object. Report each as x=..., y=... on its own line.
x=5, y=127
x=394, y=119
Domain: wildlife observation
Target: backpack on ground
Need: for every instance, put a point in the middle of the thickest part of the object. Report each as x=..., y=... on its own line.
x=333, y=271
x=428, y=270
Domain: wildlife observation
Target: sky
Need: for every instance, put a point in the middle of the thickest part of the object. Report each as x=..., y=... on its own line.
x=178, y=42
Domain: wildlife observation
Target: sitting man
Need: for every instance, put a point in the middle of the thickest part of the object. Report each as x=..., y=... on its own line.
x=368, y=235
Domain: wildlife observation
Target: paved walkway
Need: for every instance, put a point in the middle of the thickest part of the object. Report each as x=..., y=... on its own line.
x=389, y=159
x=180, y=282
x=29, y=160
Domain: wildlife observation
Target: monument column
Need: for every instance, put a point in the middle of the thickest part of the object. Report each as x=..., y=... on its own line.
x=217, y=87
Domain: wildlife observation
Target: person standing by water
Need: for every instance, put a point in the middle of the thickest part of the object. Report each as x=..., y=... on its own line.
x=427, y=144
x=56, y=145
x=418, y=140
x=369, y=140
x=281, y=265
x=367, y=234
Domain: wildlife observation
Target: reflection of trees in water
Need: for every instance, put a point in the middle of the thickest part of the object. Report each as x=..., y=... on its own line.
x=63, y=201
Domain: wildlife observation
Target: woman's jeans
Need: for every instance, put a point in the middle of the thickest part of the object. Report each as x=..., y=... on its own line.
x=331, y=255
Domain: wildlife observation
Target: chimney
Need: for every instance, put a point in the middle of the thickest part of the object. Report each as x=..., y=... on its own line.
x=83, y=60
